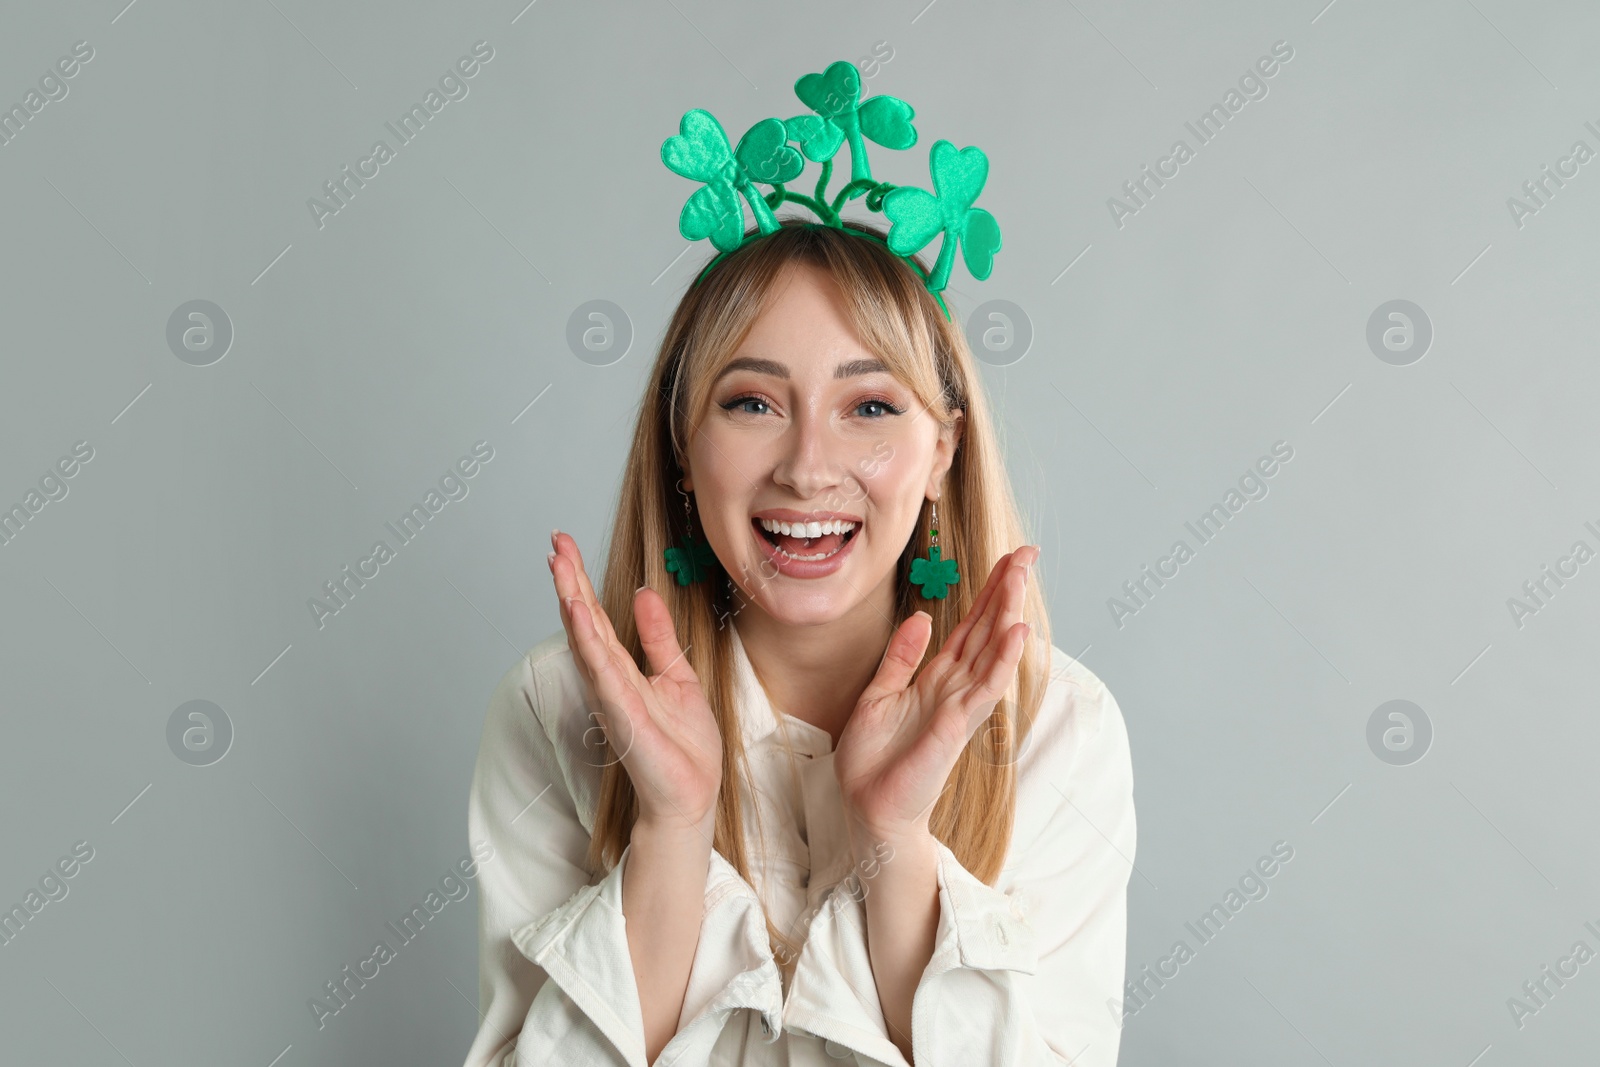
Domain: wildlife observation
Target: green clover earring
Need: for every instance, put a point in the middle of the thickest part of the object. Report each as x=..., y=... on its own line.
x=935, y=575
x=693, y=560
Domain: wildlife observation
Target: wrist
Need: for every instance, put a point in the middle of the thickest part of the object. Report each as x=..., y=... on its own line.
x=675, y=832
x=869, y=842
x=885, y=829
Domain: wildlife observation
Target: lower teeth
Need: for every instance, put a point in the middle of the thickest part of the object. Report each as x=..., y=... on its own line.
x=810, y=559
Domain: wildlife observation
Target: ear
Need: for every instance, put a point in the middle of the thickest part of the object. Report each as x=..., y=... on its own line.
x=944, y=455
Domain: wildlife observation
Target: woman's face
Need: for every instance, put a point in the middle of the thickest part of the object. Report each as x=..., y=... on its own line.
x=805, y=425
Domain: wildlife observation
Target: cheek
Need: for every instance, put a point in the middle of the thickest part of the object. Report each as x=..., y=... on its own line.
x=730, y=461
x=715, y=473
x=723, y=500
x=889, y=474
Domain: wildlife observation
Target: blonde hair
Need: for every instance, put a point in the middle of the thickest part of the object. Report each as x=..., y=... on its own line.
x=904, y=326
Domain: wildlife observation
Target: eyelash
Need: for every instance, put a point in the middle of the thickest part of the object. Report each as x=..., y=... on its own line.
x=881, y=400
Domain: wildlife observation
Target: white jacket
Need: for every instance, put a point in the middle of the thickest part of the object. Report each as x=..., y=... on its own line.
x=1028, y=972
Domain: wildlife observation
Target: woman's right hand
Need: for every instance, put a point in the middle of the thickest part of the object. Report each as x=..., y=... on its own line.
x=662, y=725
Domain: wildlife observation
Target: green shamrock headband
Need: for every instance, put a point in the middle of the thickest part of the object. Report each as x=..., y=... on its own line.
x=700, y=152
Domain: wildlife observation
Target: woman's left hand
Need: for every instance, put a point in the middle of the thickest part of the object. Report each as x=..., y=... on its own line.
x=903, y=740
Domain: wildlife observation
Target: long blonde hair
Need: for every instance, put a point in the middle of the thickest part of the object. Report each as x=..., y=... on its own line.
x=904, y=326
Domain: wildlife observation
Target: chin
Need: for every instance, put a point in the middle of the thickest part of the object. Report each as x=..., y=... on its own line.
x=810, y=602
x=809, y=608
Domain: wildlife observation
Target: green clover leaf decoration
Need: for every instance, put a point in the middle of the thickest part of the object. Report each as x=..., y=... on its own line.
x=690, y=562
x=841, y=117
x=935, y=575
x=916, y=216
x=699, y=151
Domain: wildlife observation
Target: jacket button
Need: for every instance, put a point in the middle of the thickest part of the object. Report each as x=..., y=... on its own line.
x=835, y=1050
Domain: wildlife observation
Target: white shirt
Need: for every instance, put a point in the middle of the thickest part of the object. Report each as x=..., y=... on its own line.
x=1028, y=972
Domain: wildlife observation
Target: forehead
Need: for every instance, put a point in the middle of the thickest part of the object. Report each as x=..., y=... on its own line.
x=805, y=329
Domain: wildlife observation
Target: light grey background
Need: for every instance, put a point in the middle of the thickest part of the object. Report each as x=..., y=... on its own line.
x=1229, y=313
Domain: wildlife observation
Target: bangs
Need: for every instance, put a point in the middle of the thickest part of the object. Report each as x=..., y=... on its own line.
x=886, y=303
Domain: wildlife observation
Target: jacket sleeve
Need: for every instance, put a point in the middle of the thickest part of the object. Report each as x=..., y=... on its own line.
x=1028, y=976
x=556, y=981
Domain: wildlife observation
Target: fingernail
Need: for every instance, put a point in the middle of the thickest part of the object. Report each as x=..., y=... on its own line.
x=639, y=590
x=553, y=534
x=551, y=559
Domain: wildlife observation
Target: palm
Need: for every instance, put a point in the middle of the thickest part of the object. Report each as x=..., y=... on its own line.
x=897, y=749
x=904, y=737
x=668, y=740
x=661, y=727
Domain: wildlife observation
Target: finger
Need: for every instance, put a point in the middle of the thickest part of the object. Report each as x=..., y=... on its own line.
x=564, y=592
x=957, y=649
x=566, y=597
x=568, y=577
x=566, y=588
x=900, y=659
x=959, y=719
x=1007, y=613
x=983, y=625
x=583, y=651
x=565, y=576
x=657, y=634
x=997, y=677
x=567, y=548
x=593, y=652
x=956, y=642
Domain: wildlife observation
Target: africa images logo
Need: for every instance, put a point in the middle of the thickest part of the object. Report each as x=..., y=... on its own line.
x=341, y=590
x=452, y=86
x=454, y=885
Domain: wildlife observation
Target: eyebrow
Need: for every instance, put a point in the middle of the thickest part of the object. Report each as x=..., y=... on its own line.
x=851, y=369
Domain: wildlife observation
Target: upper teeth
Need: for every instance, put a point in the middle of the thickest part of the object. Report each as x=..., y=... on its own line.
x=807, y=529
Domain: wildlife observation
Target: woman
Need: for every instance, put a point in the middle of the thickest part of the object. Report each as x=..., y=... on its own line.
x=792, y=806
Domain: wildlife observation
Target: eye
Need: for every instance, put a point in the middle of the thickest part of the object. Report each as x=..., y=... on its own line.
x=883, y=405
x=880, y=402
x=738, y=402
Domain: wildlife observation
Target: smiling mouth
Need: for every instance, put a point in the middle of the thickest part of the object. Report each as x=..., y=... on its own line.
x=798, y=546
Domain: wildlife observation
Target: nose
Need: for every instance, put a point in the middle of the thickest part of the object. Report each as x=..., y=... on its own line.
x=809, y=464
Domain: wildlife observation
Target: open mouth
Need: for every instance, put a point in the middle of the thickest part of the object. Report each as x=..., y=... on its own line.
x=806, y=542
